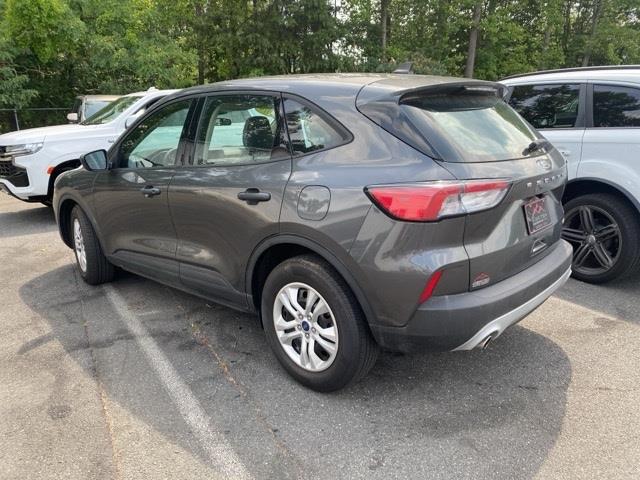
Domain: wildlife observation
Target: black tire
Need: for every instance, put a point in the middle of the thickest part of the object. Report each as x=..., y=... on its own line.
x=356, y=352
x=98, y=269
x=623, y=248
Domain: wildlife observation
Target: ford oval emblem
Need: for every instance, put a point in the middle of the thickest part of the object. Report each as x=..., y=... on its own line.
x=545, y=164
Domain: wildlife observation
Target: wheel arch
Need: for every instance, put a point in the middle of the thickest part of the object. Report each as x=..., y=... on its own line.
x=63, y=216
x=275, y=250
x=583, y=186
x=57, y=170
x=64, y=219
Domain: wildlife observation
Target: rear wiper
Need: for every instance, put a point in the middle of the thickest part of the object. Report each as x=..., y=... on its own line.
x=537, y=144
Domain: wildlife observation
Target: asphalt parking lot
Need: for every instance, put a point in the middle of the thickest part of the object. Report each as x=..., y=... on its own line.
x=137, y=380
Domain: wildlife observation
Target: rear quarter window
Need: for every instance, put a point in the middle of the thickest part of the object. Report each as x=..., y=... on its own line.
x=615, y=106
x=311, y=130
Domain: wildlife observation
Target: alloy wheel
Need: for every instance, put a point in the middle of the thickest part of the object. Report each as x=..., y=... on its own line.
x=595, y=237
x=305, y=326
x=78, y=241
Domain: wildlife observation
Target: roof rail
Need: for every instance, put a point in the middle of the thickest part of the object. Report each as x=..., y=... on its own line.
x=406, y=68
x=576, y=69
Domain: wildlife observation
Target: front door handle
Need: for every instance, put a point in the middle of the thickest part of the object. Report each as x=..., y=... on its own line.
x=564, y=152
x=252, y=196
x=150, y=191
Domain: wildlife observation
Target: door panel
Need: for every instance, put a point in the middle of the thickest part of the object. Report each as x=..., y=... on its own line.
x=569, y=144
x=216, y=230
x=131, y=199
x=131, y=220
x=229, y=199
x=611, y=146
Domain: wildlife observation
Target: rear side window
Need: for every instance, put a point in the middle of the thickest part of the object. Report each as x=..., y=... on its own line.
x=547, y=106
x=469, y=127
x=616, y=106
x=240, y=130
x=309, y=131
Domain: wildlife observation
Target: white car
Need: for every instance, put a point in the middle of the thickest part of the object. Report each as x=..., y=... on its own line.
x=592, y=116
x=30, y=160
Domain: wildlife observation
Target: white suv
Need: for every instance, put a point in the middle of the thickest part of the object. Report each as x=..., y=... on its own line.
x=592, y=116
x=30, y=160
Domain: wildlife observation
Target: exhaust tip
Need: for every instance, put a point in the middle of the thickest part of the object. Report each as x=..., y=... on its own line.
x=485, y=343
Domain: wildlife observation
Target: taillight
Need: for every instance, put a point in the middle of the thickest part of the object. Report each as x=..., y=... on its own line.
x=430, y=201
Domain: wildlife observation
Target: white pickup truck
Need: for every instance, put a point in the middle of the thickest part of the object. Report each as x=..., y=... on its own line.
x=30, y=160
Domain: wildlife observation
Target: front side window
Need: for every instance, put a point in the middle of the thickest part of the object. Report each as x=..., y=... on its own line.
x=547, y=106
x=239, y=130
x=308, y=131
x=616, y=106
x=154, y=142
x=111, y=111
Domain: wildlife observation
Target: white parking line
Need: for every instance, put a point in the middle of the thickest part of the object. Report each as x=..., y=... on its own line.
x=220, y=454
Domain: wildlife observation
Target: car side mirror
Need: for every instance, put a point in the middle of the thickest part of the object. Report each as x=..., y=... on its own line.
x=129, y=121
x=95, y=161
x=72, y=117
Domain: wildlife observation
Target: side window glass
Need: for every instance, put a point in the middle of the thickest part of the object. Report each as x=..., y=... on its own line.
x=308, y=131
x=240, y=130
x=547, y=106
x=616, y=106
x=154, y=142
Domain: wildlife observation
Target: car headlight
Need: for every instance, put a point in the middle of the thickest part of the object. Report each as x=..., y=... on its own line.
x=23, y=149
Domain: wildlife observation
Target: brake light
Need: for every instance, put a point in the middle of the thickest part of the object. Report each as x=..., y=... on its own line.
x=431, y=201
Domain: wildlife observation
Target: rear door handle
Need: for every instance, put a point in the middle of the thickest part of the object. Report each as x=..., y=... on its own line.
x=252, y=196
x=150, y=191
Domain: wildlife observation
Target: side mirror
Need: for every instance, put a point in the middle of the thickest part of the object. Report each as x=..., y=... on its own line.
x=223, y=122
x=72, y=117
x=129, y=121
x=95, y=161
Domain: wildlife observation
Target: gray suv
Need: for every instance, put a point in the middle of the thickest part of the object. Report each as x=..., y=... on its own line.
x=352, y=212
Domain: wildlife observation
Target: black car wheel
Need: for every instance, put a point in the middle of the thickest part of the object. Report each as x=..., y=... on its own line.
x=92, y=264
x=605, y=234
x=315, y=326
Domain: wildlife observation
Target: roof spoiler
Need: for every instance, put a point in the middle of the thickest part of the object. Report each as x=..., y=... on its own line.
x=469, y=87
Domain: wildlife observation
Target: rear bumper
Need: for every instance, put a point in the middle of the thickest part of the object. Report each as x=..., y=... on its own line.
x=465, y=321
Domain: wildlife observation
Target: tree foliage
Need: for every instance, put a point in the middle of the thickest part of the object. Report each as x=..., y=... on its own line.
x=59, y=48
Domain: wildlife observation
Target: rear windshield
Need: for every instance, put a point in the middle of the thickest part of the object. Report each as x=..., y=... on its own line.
x=469, y=127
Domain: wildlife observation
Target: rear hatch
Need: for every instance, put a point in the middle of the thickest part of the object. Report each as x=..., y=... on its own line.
x=468, y=129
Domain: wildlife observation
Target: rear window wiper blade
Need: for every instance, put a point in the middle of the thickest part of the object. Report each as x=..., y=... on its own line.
x=537, y=144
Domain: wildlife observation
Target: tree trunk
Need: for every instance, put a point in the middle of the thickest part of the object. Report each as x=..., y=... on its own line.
x=202, y=63
x=473, y=40
x=597, y=13
x=384, y=19
x=566, y=33
x=545, y=46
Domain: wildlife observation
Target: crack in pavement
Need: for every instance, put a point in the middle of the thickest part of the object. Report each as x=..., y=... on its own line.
x=102, y=394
